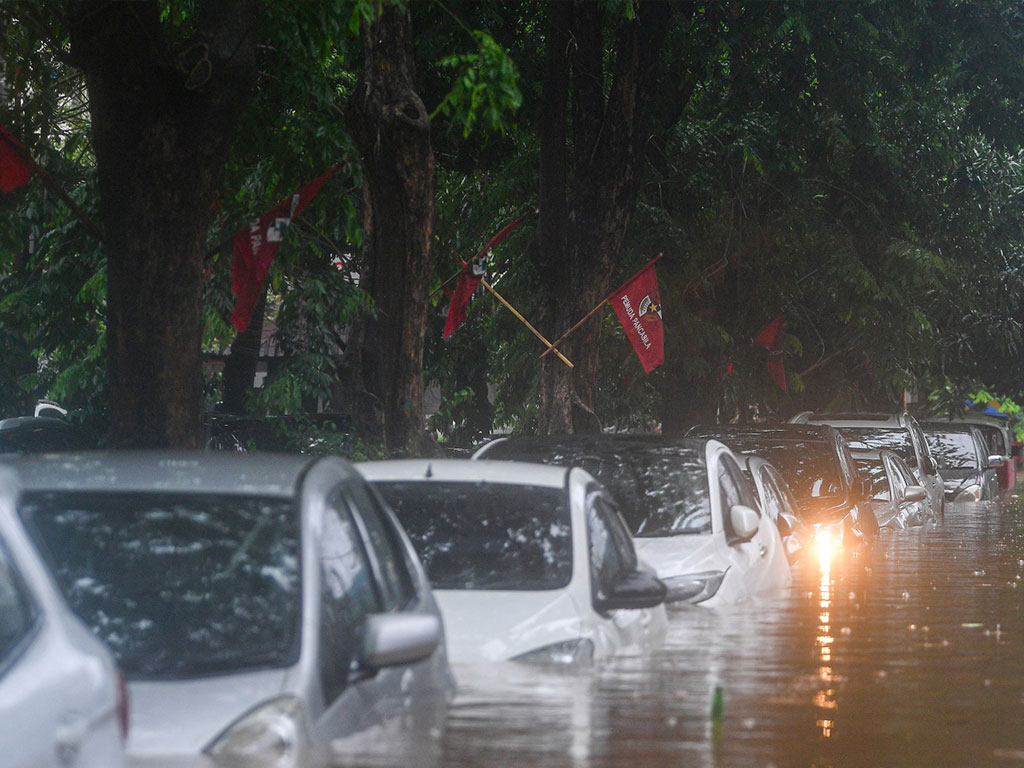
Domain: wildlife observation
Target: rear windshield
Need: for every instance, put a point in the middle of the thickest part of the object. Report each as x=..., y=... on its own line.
x=896, y=440
x=810, y=467
x=660, y=490
x=486, y=535
x=953, y=450
x=176, y=585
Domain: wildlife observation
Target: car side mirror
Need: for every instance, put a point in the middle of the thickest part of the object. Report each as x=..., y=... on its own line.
x=632, y=590
x=744, y=521
x=914, y=493
x=391, y=639
x=995, y=460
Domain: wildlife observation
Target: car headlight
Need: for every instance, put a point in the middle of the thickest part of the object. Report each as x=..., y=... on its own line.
x=578, y=651
x=971, y=493
x=274, y=733
x=693, y=587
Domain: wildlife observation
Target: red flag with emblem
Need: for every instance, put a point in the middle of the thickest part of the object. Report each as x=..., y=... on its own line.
x=15, y=171
x=254, y=248
x=770, y=337
x=637, y=304
x=473, y=272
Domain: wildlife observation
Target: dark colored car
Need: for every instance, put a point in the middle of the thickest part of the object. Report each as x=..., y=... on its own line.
x=42, y=434
x=964, y=456
x=816, y=463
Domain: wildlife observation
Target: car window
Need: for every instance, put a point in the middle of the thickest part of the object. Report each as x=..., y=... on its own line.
x=875, y=471
x=393, y=574
x=486, y=535
x=347, y=596
x=17, y=612
x=734, y=490
x=895, y=439
x=774, y=504
x=953, y=450
x=906, y=476
x=611, y=550
x=899, y=481
x=788, y=503
x=176, y=584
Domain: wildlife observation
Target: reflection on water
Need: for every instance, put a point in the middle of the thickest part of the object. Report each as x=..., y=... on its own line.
x=909, y=654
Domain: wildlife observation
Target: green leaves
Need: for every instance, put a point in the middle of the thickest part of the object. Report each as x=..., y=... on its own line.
x=484, y=87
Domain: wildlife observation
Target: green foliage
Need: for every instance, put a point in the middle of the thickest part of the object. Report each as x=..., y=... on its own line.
x=484, y=87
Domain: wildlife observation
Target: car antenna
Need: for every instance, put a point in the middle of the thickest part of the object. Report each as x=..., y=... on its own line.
x=429, y=472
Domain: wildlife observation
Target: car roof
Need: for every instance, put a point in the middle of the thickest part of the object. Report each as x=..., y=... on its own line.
x=949, y=426
x=596, y=444
x=32, y=422
x=859, y=419
x=249, y=474
x=464, y=471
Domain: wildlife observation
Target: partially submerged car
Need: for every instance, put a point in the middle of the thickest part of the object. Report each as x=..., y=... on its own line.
x=897, y=432
x=528, y=562
x=896, y=498
x=816, y=463
x=692, y=513
x=969, y=471
x=999, y=439
x=257, y=604
x=62, y=700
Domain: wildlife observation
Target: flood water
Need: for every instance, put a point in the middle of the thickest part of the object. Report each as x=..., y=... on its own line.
x=910, y=654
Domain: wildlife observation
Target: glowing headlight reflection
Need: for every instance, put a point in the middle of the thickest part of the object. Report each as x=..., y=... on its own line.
x=827, y=546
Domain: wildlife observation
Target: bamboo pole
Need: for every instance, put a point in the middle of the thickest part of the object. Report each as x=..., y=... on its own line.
x=564, y=336
x=525, y=322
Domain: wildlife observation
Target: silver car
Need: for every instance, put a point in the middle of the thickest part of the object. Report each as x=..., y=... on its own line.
x=61, y=699
x=258, y=604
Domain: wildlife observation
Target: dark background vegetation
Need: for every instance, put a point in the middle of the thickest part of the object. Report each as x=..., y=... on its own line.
x=856, y=167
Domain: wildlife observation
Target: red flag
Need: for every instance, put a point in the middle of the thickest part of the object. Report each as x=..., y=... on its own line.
x=637, y=304
x=14, y=170
x=255, y=246
x=473, y=272
x=770, y=337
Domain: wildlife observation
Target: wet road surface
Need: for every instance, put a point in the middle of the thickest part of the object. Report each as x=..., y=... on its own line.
x=911, y=654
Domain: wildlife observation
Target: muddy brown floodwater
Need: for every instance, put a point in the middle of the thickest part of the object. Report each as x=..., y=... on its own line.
x=911, y=654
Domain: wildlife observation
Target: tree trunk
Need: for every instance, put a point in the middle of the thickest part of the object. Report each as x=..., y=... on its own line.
x=162, y=120
x=391, y=130
x=608, y=136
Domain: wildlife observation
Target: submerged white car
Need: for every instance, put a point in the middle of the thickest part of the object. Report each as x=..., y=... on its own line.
x=692, y=514
x=527, y=562
x=62, y=702
x=260, y=606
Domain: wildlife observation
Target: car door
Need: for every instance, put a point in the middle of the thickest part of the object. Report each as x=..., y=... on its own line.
x=611, y=555
x=396, y=690
x=761, y=562
x=348, y=594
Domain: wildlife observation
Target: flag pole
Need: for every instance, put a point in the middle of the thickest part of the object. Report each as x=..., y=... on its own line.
x=564, y=336
x=524, y=321
x=51, y=184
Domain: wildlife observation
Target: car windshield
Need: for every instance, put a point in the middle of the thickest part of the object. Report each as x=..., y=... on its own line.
x=176, y=585
x=896, y=440
x=661, y=490
x=486, y=535
x=953, y=450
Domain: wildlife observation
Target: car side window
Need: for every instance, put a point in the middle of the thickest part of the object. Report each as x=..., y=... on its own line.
x=772, y=497
x=17, y=612
x=734, y=490
x=787, y=502
x=396, y=583
x=611, y=548
x=347, y=596
x=898, y=481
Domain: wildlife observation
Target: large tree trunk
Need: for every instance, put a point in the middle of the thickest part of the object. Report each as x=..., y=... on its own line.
x=391, y=130
x=162, y=120
x=608, y=137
